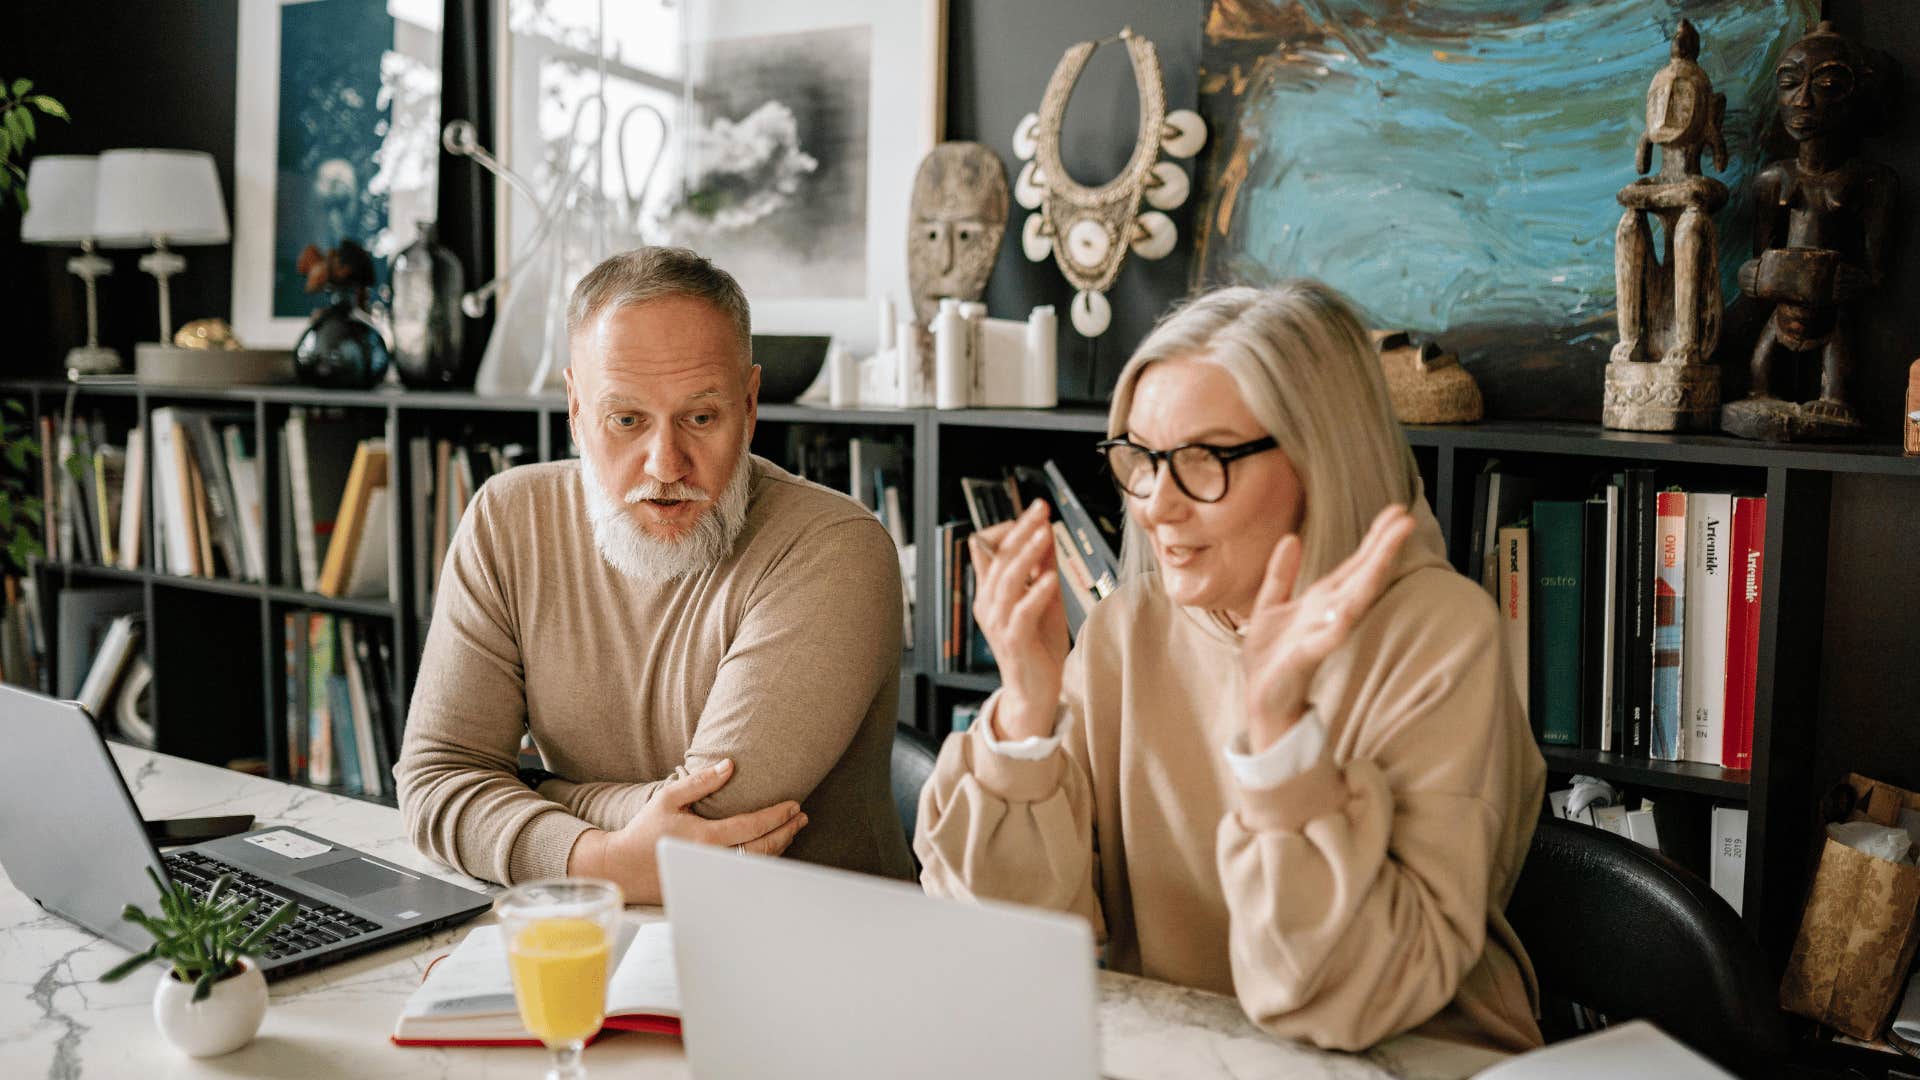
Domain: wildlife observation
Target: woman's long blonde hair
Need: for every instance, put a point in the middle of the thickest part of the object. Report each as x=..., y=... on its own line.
x=1309, y=373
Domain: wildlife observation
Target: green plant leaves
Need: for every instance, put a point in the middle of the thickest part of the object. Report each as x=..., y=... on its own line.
x=51, y=107
x=130, y=965
x=204, y=939
x=21, y=86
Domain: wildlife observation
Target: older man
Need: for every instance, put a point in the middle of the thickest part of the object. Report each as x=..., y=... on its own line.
x=701, y=644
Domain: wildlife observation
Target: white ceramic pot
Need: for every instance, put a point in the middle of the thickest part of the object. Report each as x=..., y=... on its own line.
x=225, y=1020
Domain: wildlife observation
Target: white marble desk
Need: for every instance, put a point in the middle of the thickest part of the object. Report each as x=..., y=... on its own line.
x=57, y=1020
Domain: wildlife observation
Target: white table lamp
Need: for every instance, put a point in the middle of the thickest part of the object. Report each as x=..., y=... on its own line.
x=167, y=197
x=60, y=209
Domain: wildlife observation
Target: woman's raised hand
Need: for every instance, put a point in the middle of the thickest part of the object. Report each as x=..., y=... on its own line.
x=1016, y=602
x=1288, y=636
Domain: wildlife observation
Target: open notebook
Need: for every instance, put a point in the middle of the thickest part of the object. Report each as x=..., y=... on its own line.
x=467, y=996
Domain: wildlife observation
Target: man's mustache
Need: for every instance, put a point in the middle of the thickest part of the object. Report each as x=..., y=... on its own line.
x=654, y=489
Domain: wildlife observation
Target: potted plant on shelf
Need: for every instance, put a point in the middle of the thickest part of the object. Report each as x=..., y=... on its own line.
x=17, y=128
x=212, y=999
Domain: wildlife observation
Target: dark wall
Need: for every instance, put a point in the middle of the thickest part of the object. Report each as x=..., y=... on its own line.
x=1000, y=54
x=158, y=73
x=161, y=73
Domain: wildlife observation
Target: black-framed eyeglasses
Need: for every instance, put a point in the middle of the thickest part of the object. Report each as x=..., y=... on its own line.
x=1199, y=469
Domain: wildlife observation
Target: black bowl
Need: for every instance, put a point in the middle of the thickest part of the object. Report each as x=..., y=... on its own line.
x=788, y=363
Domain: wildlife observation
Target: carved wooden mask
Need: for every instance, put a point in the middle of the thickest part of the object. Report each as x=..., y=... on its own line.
x=958, y=218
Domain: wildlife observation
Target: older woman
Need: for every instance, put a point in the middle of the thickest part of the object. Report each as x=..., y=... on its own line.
x=1284, y=760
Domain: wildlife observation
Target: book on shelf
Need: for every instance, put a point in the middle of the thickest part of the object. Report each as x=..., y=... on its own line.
x=446, y=474
x=1636, y=619
x=341, y=726
x=363, y=499
x=109, y=464
x=1513, y=583
x=1666, y=742
x=50, y=491
x=243, y=470
x=84, y=617
x=1553, y=650
x=133, y=490
x=22, y=646
x=1703, y=681
x=116, y=651
x=320, y=452
x=466, y=998
x=1092, y=543
x=1604, y=725
x=1500, y=498
x=1727, y=868
x=1743, y=627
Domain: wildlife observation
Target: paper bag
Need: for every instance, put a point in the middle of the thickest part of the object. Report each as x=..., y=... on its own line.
x=1857, y=936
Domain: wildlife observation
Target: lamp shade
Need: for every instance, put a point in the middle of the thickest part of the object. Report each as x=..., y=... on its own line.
x=173, y=195
x=60, y=196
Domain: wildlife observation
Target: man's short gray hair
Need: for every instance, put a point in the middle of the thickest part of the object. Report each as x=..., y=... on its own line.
x=648, y=273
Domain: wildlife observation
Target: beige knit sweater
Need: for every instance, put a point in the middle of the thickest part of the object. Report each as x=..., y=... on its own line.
x=784, y=657
x=1358, y=899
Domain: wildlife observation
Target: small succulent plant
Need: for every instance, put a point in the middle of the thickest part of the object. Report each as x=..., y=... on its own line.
x=204, y=939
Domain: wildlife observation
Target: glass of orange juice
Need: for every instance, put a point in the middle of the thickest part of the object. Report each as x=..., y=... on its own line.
x=559, y=937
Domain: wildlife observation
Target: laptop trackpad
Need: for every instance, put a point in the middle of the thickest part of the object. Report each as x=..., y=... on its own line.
x=353, y=877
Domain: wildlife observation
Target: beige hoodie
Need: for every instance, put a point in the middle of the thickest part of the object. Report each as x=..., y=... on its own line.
x=1358, y=899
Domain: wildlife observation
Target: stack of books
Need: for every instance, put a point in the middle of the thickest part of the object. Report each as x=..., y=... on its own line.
x=1632, y=616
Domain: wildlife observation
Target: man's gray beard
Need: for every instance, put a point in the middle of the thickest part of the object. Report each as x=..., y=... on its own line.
x=633, y=551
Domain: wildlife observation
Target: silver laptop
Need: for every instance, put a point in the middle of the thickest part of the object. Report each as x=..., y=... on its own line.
x=72, y=840
x=798, y=971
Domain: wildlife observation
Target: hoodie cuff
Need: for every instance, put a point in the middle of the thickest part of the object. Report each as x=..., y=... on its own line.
x=1290, y=755
x=1287, y=806
x=1010, y=769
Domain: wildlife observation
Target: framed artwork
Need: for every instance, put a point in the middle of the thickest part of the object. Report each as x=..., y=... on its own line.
x=1453, y=168
x=336, y=138
x=778, y=139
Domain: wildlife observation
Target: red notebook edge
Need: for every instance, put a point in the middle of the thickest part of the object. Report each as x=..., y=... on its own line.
x=645, y=1023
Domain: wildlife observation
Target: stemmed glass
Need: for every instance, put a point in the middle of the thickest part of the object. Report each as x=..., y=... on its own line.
x=559, y=938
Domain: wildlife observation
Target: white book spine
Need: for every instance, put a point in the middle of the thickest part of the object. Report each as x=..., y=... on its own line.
x=178, y=538
x=1727, y=868
x=246, y=499
x=304, y=546
x=130, y=496
x=1703, y=681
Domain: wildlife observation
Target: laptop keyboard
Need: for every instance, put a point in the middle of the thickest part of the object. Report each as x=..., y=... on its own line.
x=316, y=926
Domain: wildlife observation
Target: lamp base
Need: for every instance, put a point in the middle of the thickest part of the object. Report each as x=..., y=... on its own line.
x=93, y=360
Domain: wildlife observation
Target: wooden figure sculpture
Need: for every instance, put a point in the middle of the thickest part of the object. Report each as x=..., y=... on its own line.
x=959, y=217
x=1659, y=377
x=1822, y=222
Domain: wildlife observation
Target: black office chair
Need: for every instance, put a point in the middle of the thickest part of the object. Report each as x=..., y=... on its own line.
x=1625, y=931
x=914, y=753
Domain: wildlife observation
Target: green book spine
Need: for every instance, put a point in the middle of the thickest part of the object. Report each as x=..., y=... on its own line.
x=1558, y=568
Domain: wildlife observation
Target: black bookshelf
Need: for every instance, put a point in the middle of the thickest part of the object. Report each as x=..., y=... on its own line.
x=198, y=715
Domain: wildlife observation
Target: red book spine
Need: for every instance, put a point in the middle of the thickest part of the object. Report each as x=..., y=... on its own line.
x=1743, y=628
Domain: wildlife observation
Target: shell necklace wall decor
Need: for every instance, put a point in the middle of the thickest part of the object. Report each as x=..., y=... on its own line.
x=1089, y=231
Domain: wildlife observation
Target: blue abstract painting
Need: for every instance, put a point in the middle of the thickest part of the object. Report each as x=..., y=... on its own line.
x=333, y=121
x=1451, y=165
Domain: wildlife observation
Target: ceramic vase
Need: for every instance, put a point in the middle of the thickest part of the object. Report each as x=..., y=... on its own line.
x=224, y=1021
x=342, y=348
